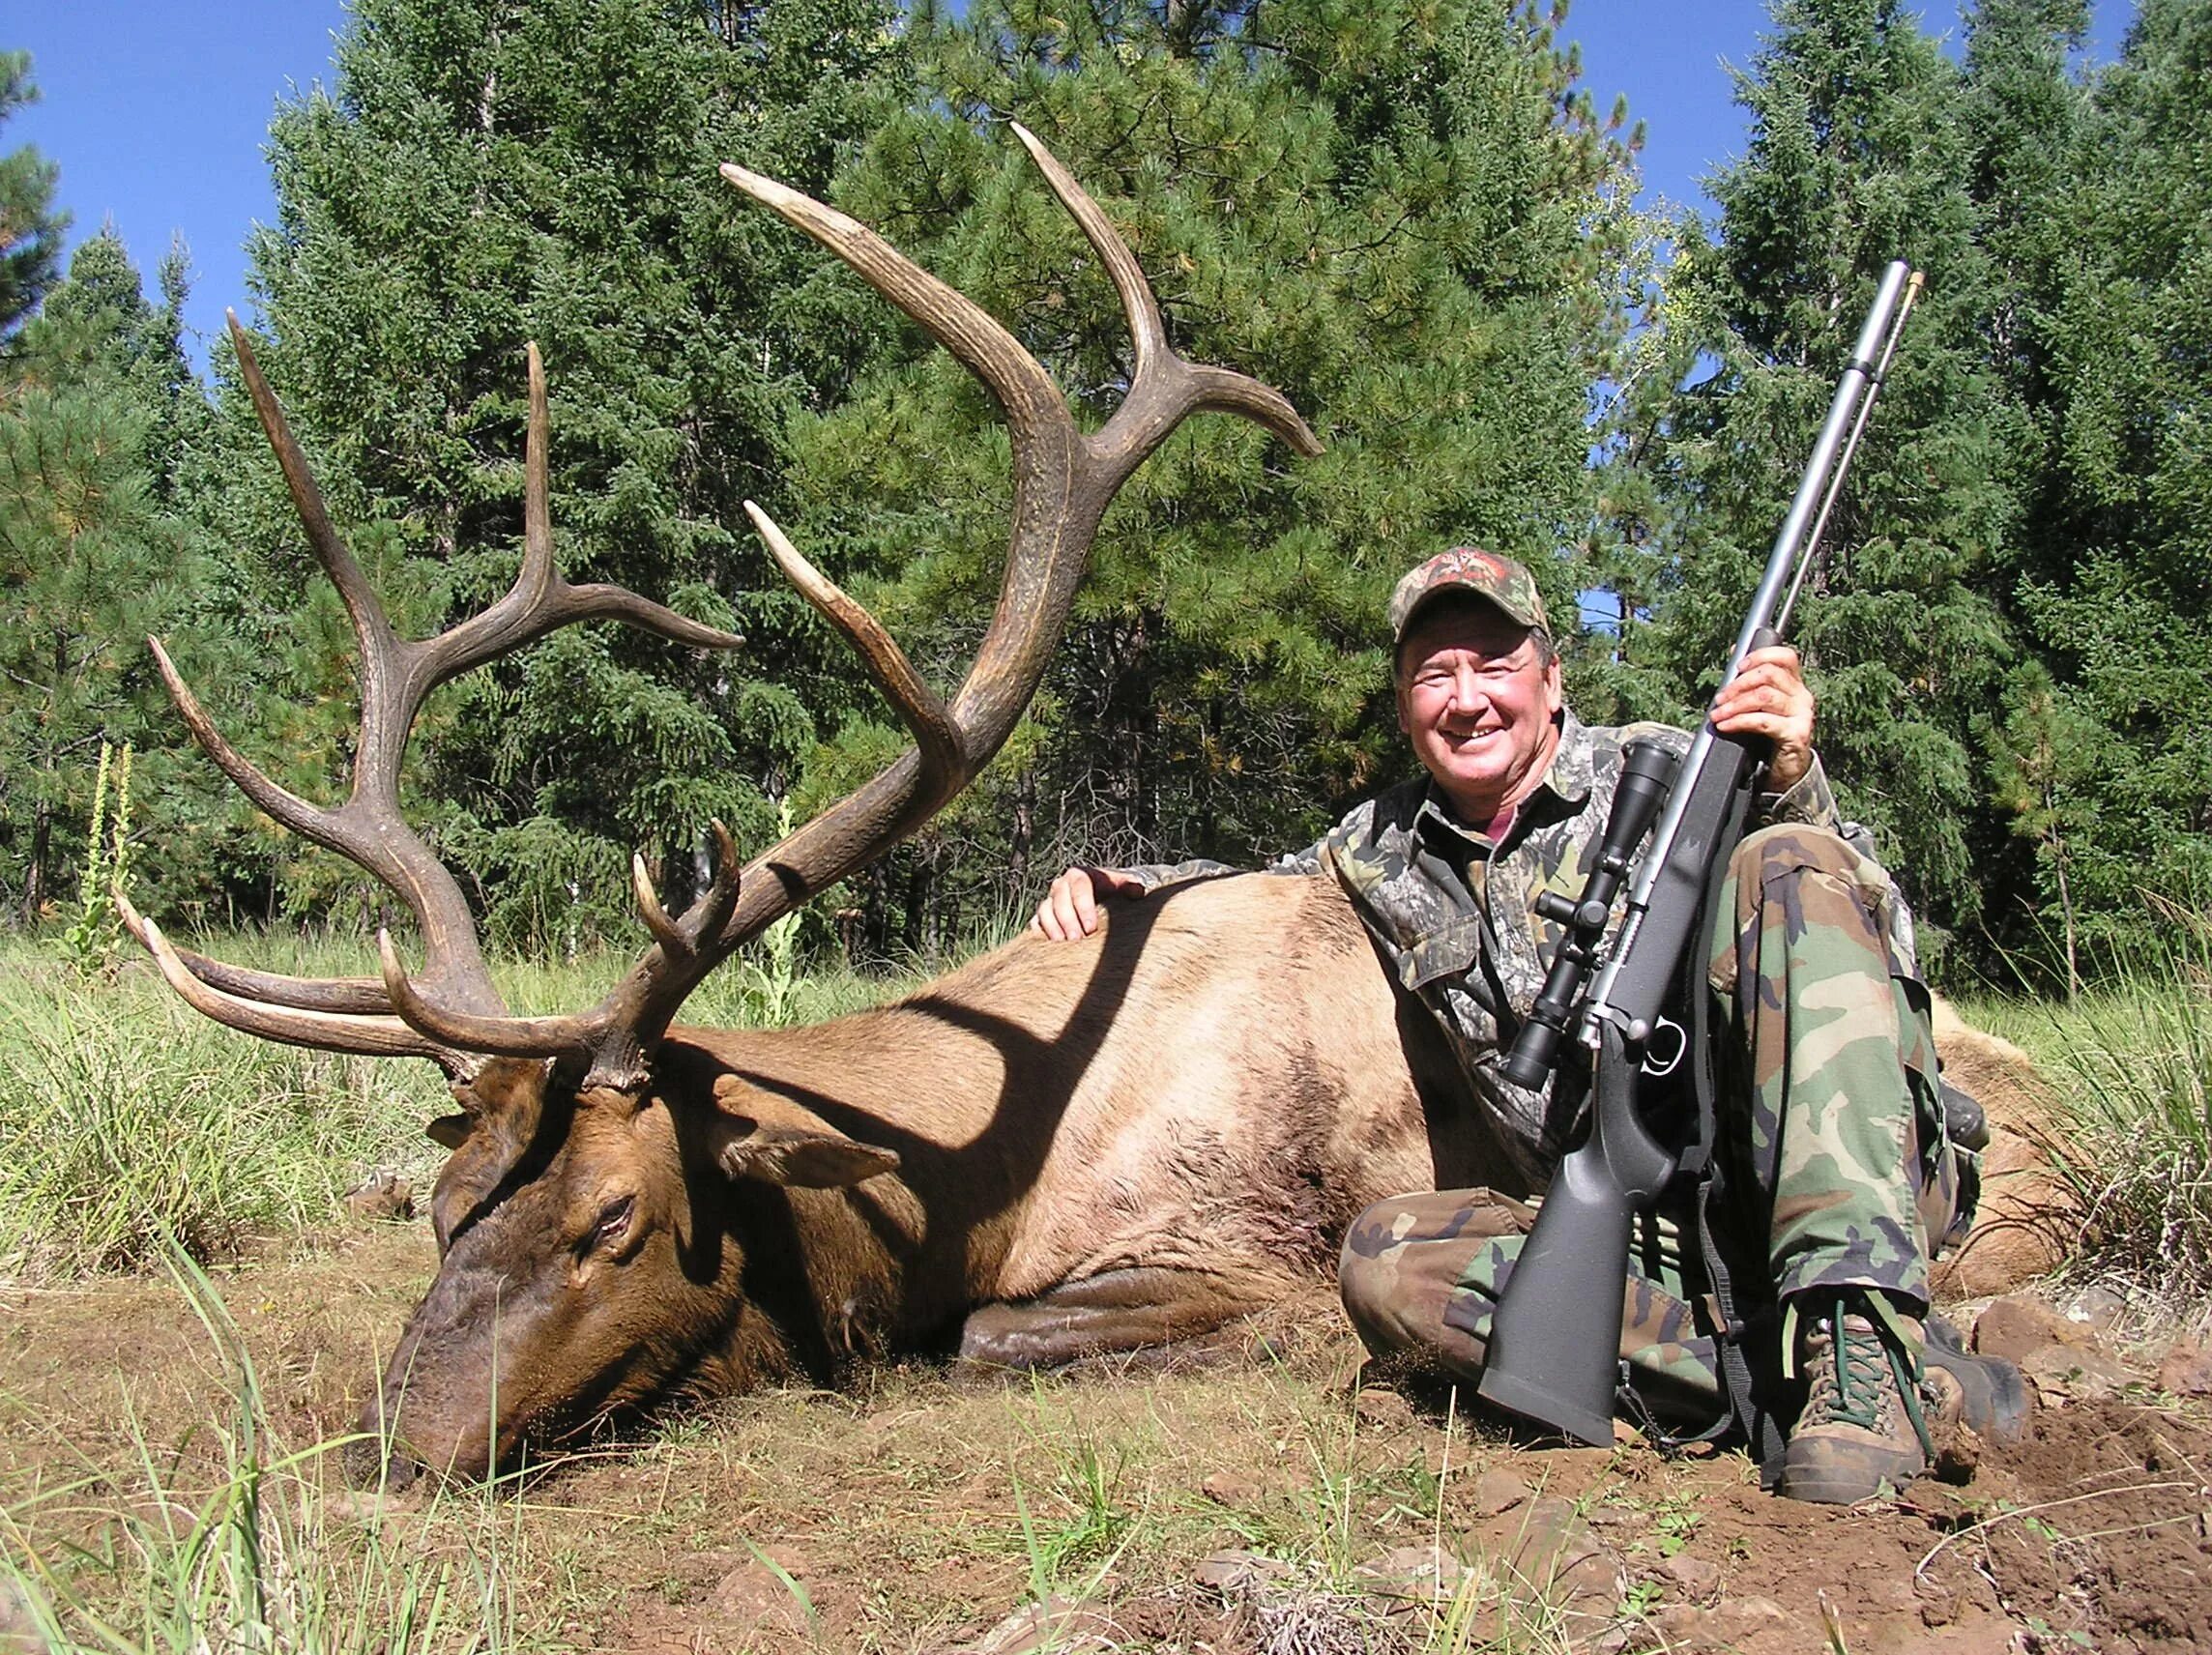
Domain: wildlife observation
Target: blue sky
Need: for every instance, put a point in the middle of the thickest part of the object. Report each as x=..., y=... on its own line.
x=157, y=110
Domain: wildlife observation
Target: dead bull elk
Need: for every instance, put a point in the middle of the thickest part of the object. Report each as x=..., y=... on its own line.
x=1102, y=1147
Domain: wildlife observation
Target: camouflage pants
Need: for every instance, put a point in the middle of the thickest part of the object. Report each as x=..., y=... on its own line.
x=1830, y=1130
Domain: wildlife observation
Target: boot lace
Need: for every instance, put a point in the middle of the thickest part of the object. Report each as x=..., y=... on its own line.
x=1864, y=1368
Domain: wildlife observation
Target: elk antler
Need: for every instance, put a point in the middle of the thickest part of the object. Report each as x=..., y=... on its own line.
x=1062, y=482
x=396, y=674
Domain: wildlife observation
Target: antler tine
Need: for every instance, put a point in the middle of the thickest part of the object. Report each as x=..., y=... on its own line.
x=351, y=997
x=946, y=314
x=1147, y=331
x=1162, y=386
x=369, y=1036
x=1062, y=482
x=368, y=618
x=493, y=1035
x=309, y=821
x=541, y=601
x=917, y=705
x=706, y=916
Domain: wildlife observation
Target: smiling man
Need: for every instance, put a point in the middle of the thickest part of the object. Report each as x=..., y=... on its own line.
x=1841, y=1178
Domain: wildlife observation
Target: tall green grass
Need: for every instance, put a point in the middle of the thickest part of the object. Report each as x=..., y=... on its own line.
x=126, y=1116
x=2134, y=1061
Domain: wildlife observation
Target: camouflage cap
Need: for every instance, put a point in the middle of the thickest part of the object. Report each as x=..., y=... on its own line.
x=1480, y=575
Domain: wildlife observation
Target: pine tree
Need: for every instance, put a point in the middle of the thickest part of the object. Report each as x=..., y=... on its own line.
x=2120, y=596
x=1854, y=159
x=1385, y=212
x=485, y=173
x=94, y=406
x=30, y=227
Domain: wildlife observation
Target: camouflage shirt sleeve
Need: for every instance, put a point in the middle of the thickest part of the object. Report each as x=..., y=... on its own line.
x=1153, y=877
x=1809, y=803
x=1162, y=876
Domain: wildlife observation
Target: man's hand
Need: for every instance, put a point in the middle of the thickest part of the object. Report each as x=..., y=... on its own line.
x=1768, y=697
x=1071, y=908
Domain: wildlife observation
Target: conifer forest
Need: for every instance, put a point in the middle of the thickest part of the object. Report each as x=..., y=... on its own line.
x=1409, y=217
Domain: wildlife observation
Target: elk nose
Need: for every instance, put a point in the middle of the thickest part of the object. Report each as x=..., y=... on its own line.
x=372, y=1461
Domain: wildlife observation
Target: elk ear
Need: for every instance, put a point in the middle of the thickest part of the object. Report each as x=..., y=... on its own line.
x=450, y=1130
x=795, y=1157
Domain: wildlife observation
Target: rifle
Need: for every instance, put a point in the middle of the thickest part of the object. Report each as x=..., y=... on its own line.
x=1553, y=1351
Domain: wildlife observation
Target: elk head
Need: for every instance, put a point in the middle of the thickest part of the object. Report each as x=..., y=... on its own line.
x=582, y=1267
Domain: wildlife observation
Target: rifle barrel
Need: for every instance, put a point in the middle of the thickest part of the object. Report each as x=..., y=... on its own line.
x=1823, y=477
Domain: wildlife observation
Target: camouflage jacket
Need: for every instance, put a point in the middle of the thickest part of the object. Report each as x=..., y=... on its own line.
x=1455, y=911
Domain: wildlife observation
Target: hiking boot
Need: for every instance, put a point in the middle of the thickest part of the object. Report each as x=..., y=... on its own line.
x=1862, y=1424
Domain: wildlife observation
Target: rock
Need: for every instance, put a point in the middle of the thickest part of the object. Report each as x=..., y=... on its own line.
x=1693, y=1579
x=2099, y=1309
x=1938, y=1604
x=1052, y=1627
x=2062, y=1373
x=1556, y=1560
x=1497, y=1491
x=384, y=1196
x=1376, y=1405
x=2187, y=1370
x=1232, y=1488
x=19, y=1633
x=1238, y=1574
x=1408, y=1576
x=1729, y=1625
x=2014, y=1328
x=754, y=1596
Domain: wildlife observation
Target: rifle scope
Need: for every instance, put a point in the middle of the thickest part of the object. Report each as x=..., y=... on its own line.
x=1648, y=772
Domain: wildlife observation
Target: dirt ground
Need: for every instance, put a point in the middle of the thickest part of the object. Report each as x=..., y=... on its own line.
x=1259, y=1503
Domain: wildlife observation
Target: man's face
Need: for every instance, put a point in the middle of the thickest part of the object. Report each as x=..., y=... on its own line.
x=1478, y=697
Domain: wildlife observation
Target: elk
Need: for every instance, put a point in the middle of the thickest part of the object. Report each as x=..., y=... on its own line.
x=1056, y=1150
x=1059, y=1150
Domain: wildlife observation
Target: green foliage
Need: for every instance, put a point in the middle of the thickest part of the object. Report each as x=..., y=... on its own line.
x=1400, y=216
x=94, y=940
x=1855, y=158
x=2135, y=1147
x=2116, y=588
x=30, y=228
x=477, y=177
x=98, y=416
x=126, y=1119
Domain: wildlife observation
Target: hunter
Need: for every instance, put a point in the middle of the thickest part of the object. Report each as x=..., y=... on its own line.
x=1830, y=1121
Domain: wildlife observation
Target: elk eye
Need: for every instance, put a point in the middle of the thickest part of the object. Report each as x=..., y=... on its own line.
x=614, y=1221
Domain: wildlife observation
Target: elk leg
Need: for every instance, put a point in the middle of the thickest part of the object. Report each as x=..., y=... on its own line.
x=1121, y=1309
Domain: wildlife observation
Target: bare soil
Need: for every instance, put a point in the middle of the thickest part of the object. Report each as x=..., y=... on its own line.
x=1259, y=1503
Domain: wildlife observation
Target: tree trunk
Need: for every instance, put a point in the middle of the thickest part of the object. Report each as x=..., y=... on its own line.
x=34, y=872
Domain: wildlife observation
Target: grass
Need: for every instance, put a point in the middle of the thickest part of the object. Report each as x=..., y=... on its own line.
x=232, y=1541
x=126, y=1116
x=2134, y=1062
x=889, y=1521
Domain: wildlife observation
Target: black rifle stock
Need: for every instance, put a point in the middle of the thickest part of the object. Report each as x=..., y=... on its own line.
x=1554, y=1342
